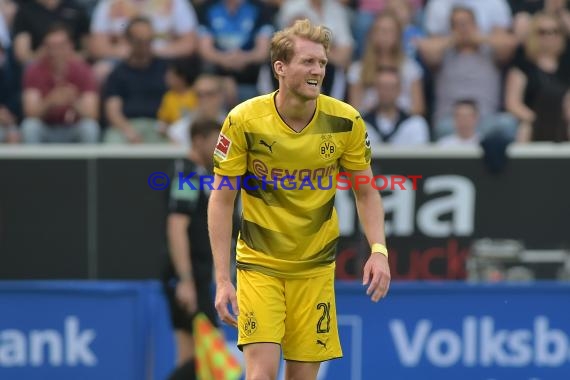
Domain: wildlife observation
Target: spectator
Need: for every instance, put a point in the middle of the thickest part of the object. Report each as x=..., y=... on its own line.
x=366, y=11
x=525, y=6
x=234, y=41
x=523, y=12
x=404, y=10
x=467, y=64
x=330, y=13
x=540, y=77
x=465, y=123
x=388, y=123
x=211, y=105
x=134, y=90
x=8, y=120
x=8, y=9
x=180, y=100
x=174, y=22
x=60, y=96
x=35, y=17
x=490, y=15
x=385, y=48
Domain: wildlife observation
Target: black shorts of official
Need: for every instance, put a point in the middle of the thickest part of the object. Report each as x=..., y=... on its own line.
x=180, y=319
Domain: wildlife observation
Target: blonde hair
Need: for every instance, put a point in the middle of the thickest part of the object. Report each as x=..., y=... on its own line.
x=283, y=42
x=532, y=42
x=370, y=56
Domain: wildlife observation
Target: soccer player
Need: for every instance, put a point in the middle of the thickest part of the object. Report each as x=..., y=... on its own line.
x=286, y=248
x=187, y=277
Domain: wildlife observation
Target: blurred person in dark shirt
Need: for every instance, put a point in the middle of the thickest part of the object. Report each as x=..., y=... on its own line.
x=538, y=80
x=134, y=90
x=187, y=277
x=34, y=18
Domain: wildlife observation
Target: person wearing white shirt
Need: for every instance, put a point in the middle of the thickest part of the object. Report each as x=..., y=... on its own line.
x=490, y=15
x=465, y=121
x=330, y=13
x=388, y=123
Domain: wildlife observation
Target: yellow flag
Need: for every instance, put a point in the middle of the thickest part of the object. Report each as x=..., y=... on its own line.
x=214, y=361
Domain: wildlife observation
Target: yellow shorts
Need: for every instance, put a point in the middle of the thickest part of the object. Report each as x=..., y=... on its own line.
x=298, y=314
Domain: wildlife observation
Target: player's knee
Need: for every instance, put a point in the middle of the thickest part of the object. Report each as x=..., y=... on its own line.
x=261, y=370
x=301, y=371
x=261, y=361
x=293, y=377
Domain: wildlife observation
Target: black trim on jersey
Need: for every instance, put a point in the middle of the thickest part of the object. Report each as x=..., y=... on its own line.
x=326, y=123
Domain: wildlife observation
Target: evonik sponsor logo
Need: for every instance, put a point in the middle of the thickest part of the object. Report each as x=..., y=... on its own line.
x=68, y=347
x=481, y=343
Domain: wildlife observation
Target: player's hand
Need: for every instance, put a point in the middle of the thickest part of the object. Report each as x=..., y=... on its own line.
x=226, y=296
x=377, y=274
x=186, y=295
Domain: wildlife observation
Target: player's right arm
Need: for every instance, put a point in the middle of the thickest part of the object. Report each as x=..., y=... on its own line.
x=230, y=162
x=220, y=214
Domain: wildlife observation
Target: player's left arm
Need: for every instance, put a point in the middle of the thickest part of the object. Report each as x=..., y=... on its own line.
x=356, y=160
x=371, y=215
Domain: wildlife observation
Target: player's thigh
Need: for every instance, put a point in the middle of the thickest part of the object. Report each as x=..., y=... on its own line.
x=261, y=303
x=311, y=328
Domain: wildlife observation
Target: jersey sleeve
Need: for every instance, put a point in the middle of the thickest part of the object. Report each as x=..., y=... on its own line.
x=358, y=152
x=230, y=154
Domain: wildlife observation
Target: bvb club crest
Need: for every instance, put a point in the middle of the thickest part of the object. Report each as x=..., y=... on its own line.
x=327, y=148
x=250, y=324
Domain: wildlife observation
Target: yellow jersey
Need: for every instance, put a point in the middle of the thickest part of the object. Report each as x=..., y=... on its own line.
x=174, y=105
x=289, y=226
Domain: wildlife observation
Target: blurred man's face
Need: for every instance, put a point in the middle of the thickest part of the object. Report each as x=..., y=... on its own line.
x=463, y=26
x=385, y=33
x=140, y=39
x=388, y=88
x=58, y=47
x=210, y=97
x=174, y=81
x=466, y=120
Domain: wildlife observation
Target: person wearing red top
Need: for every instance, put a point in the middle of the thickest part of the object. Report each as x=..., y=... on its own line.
x=60, y=94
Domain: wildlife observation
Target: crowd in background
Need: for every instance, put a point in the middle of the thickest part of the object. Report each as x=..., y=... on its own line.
x=445, y=72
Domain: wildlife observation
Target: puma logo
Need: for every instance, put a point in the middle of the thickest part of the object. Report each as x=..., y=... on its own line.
x=324, y=344
x=270, y=147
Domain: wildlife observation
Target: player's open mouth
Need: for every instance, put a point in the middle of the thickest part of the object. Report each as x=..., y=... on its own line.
x=313, y=82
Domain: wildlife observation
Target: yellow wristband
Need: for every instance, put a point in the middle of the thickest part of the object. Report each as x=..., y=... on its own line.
x=379, y=248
